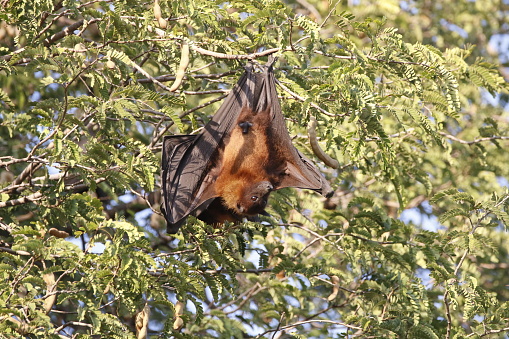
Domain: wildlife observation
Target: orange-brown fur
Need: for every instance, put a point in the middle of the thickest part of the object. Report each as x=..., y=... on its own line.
x=245, y=158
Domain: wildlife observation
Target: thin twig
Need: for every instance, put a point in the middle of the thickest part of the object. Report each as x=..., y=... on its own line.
x=247, y=292
x=506, y=329
x=160, y=134
x=20, y=276
x=64, y=291
x=146, y=74
x=255, y=271
x=315, y=234
x=330, y=13
x=460, y=263
x=167, y=254
x=475, y=141
x=164, y=78
x=278, y=325
x=63, y=33
x=213, y=91
x=299, y=323
x=298, y=97
x=316, y=239
x=72, y=323
x=11, y=251
x=203, y=67
x=234, y=56
x=253, y=291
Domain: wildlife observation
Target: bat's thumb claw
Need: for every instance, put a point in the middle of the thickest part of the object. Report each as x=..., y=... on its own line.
x=328, y=193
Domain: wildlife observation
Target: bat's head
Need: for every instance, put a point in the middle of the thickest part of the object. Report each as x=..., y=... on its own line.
x=254, y=199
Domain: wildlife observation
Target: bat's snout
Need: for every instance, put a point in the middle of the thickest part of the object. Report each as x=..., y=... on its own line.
x=240, y=209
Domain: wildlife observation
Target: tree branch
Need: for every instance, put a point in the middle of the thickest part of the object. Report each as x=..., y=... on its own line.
x=63, y=33
x=312, y=104
x=72, y=323
x=460, y=263
x=202, y=51
x=38, y=195
x=475, y=141
x=299, y=323
x=165, y=78
x=11, y=251
x=250, y=293
x=160, y=134
x=506, y=329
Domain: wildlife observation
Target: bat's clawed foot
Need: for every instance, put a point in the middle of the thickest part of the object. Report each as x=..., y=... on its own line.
x=245, y=126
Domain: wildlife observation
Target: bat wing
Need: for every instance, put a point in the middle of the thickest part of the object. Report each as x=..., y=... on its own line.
x=181, y=174
x=189, y=161
x=300, y=171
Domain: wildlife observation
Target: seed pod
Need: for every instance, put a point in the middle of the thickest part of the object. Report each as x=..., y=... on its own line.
x=58, y=234
x=184, y=61
x=110, y=64
x=178, y=324
x=49, y=279
x=157, y=13
x=179, y=310
x=327, y=160
x=335, y=288
x=141, y=322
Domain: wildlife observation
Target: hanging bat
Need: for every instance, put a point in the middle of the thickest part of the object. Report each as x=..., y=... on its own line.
x=227, y=171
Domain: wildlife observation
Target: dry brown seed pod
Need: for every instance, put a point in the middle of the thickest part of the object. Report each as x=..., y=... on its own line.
x=57, y=233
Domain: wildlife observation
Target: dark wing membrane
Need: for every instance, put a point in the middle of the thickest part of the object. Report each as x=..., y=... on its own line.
x=301, y=172
x=188, y=161
x=175, y=189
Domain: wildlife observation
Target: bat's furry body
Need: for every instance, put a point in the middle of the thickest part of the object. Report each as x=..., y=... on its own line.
x=247, y=170
x=228, y=171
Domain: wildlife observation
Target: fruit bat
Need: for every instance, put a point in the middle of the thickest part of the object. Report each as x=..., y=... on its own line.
x=227, y=171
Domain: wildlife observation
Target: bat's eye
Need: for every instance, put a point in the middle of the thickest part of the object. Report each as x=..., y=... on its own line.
x=254, y=198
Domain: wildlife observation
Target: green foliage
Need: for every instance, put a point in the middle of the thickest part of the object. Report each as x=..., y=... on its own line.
x=400, y=94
